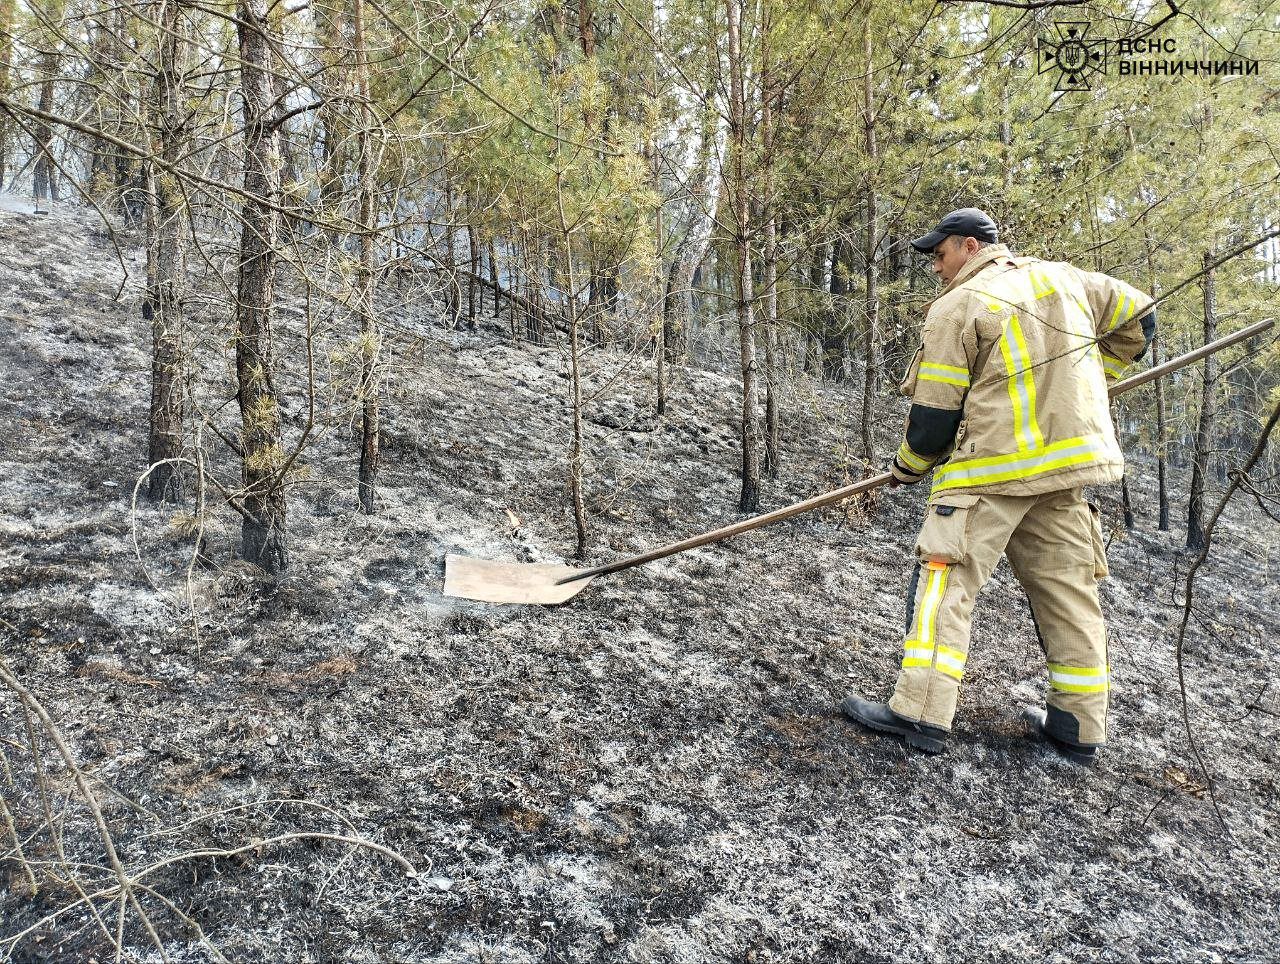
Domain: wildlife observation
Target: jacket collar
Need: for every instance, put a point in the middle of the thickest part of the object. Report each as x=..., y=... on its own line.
x=982, y=259
x=975, y=264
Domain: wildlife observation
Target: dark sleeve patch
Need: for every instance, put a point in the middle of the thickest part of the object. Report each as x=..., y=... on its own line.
x=931, y=430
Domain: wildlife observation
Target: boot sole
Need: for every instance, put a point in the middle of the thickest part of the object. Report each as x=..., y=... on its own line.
x=921, y=741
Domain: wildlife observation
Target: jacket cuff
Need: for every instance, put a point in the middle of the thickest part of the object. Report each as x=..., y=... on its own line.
x=1114, y=367
x=908, y=467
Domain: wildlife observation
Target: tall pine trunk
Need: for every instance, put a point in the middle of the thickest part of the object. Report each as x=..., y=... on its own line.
x=749, y=498
x=8, y=9
x=369, y=335
x=769, y=255
x=1162, y=446
x=166, y=281
x=263, y=528
x=872, y=227
x=1204, y=429
x=45, y=175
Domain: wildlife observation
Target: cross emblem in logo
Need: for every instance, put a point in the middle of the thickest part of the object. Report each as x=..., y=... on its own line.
x=1072, y=55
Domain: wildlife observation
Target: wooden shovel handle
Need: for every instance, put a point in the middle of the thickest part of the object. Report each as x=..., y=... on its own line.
x=1182, y=361
x=866, y=485
x=755, y=522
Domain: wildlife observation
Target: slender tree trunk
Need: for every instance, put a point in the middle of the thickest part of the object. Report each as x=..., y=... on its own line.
x=162, y=305
x=263, y=529
x=454, y=308
x=331, y=45
x=370, y=338
x=513, y=283
x=99, y=68
x=1008, y=224
x=45, y=174
x=835, y=341
x=869, y=253
x=749, y=499
x=7, y=15
x=659, y=276
x=815, y=356
x=1162, y=433
x=570, y=299
x=473, y=250
x=769, y=257
x=1204, y=429
x=1125, y=502
x=491, y=250
x=1162, y=446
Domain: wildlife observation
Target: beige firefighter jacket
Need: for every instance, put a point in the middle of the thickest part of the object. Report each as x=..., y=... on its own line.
x=1025, y=349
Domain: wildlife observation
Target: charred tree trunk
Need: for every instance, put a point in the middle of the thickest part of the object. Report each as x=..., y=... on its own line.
x=491, y=250
x=872, y=227
x=1204, y=429
x=370, y=338
x=835, y=340
x=329, y=35
x=263, y=529
x=749, y=499
x=815, y=352
x=162, y=305
x=454, y=299
x=1126, y=503
x=473, y=252
x=1162, y=445
x=769, y=257
x=45, y=178
x=8, y=9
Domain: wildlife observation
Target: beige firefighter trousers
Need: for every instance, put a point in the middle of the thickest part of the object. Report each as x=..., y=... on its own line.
x=1054, y=544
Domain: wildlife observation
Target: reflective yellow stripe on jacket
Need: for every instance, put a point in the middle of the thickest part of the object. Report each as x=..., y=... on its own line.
x=911, y=460
x=1114, y=367
x=947, y=374
x=1022, y=386
x=1025, y=464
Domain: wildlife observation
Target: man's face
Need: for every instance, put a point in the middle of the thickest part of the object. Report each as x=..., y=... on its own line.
x=952, y=255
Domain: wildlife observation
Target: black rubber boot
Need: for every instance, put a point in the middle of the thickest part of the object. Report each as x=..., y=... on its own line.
x=878, y=716
x=1037, y=721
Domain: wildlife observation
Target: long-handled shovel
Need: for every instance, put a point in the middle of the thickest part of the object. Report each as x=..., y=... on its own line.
x=545, y=583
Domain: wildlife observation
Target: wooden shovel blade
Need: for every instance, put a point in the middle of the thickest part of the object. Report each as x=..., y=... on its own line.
x=509, y=582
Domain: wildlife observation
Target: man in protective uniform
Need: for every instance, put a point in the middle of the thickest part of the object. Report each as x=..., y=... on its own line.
x=1009, y=410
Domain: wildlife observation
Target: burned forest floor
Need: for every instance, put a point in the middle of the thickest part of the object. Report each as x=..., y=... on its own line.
x=654, y=771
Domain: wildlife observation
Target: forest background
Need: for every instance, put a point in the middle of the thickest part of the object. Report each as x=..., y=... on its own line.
x=708, y=203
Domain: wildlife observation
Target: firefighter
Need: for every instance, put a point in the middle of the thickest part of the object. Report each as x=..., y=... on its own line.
x=1009, y=411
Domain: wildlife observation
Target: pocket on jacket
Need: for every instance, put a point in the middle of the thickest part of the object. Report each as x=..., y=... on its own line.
x=944, y=537
x=1100, y=568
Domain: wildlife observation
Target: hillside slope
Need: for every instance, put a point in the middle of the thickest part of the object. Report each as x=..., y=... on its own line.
x=656, y=771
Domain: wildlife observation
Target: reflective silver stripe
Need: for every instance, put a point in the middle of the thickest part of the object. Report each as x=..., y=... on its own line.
x=929, y=606
x=950, y=374
x=912, y=460
x=1022, y=388
x=945, y=659
x=1080, y=677
x=1127, y=304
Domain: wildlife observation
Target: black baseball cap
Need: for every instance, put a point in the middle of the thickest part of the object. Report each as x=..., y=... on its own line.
x=966, y=222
